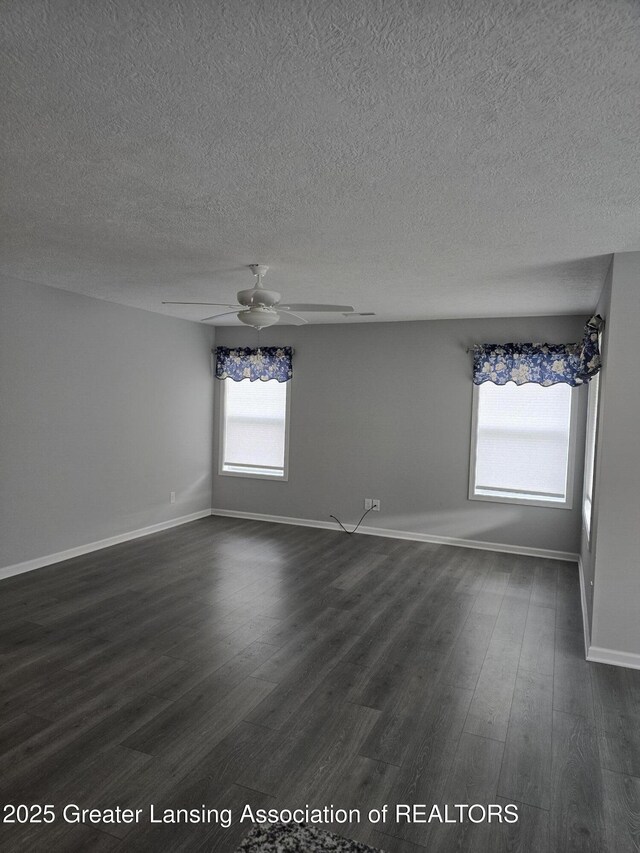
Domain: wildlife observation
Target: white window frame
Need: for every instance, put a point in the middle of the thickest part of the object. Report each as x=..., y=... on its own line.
x=591, y=439
x=255, y=475
x=525, y=500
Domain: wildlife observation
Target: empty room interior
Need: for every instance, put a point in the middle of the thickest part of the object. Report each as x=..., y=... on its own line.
x=319, y=443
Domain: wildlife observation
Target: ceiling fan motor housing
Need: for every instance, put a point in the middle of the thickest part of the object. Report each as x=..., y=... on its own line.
x=258, y=296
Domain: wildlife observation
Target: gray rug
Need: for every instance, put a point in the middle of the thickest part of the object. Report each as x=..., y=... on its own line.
x=298, y=838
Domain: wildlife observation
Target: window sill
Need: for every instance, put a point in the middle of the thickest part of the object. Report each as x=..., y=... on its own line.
x=255, y=475
x=549, y=503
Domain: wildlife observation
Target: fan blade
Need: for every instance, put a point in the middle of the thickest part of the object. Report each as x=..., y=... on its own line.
x=288, y=317
x=221, y=304
x=310, y=307
x=213, y=316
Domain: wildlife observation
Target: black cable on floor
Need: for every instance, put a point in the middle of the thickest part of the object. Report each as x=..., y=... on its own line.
x=351, y=532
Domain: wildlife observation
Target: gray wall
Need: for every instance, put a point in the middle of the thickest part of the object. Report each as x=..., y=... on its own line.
x=104, y=411
x=616, y=600
x=384, y=410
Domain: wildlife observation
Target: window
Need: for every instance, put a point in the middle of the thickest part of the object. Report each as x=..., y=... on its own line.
x=590, y=453
x=254, y=429
x=522, y=444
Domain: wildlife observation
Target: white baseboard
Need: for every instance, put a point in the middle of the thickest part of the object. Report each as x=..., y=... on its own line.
x=597, y=654
x=585, y=609
x=405, y=534
x=613, y=657
x=49, y=559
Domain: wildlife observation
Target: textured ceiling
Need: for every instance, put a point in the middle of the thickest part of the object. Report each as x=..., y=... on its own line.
x=417, y=159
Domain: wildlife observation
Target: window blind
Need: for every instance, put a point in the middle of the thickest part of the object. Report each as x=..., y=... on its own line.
x=590, y=451
x=254, y=426
x=523, y=434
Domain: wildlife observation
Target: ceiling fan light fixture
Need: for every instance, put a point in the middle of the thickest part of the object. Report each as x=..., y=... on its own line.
x=258, y=317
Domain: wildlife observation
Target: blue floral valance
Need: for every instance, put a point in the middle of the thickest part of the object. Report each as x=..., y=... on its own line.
x=543, y=364
x=263, y=363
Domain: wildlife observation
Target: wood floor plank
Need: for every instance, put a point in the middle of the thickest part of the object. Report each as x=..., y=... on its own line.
x=432, y=745
x=620, y=746
x=425, y=717
x=387, y=660
x=529, y=834
x=474, y=570
x=467, y=656
x=615, y=691
x=577, y=815
x=491, y=704
x=489, y=602
x=538, y=643
x=153, y=781
x=497, y=579
x=306, y=643
x=472, y=780
x=568, y=601
x=545, y=583
x=100, y=783
x=572, y=690
x=190, y=674
x=291, y=692
x=198, y=647
x=47, y=648
x=312, y=755
x=59, y=836
x=526, y=769
x=379, y=687
x=64, y=746
x=374, y=645
x=137, y=676
x=186, y=730
x=622, y=812
x=521, y=580
x=191, y=837
x=447, y=623
x=392, y=844
x=509, y=629
x=358, y=570
x=363, y=782
x=18, y=728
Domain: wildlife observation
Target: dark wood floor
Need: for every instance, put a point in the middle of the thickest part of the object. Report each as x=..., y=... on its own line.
x=230, y=662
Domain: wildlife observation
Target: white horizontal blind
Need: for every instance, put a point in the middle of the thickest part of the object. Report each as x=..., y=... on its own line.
x=523, y=434
x=590, y=452
x=254, y=427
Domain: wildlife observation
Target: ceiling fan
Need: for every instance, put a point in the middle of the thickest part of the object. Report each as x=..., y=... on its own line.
x=259, y=308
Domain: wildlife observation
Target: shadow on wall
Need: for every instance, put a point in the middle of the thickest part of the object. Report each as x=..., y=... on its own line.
x=453, y=522
x=194, y=497
x=196, y=488
x=536, y=527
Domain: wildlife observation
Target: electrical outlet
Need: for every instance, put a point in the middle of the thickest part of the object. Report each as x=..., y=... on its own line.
x=368, y=503
x=375, y=504
x=173, y=497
